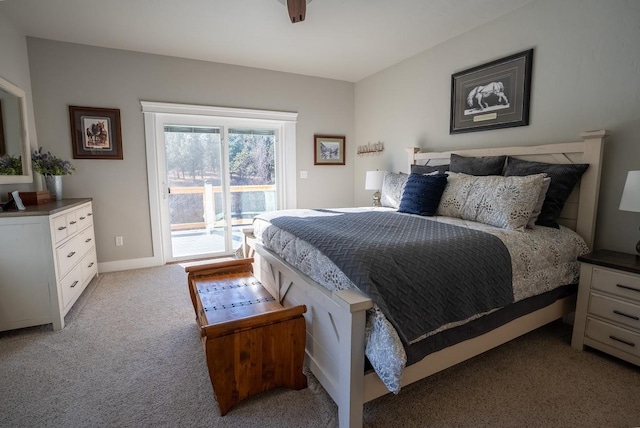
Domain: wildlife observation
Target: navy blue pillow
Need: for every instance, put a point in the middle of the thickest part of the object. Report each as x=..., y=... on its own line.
x=564, y=177
x=422, y=194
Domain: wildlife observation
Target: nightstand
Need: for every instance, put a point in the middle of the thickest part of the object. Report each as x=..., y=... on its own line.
x=608, y=307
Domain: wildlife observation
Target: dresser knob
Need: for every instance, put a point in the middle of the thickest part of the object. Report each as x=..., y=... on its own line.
x=71, y=254
x=62, y=227
x=87, y=240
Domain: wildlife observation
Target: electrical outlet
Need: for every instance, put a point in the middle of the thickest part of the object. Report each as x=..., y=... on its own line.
x=303, y=174
x=119, y=241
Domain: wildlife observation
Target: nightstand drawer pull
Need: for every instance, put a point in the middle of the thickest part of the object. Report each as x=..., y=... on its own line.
x=633, y=317
x=626, y=342
x=74, y=284
x=71, y=254
x=626, y=287
x=62, y=227
x=72, y=222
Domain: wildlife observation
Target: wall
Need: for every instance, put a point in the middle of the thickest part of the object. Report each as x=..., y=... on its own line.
x=64, y=74
x=14, y=67
x=586, y=76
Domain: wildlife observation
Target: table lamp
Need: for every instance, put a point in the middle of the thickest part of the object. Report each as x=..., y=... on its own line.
x=631, y=196
x=374, y=182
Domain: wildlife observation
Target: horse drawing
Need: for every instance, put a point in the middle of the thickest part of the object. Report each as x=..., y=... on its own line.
x=97, y=134
x=479, y=93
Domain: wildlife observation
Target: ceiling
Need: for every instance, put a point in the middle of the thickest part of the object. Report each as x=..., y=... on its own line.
x=340, y=39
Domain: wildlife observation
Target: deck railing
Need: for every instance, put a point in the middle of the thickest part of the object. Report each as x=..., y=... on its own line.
x=208, y=192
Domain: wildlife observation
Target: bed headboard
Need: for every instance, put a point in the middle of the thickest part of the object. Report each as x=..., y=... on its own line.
x=581, y=208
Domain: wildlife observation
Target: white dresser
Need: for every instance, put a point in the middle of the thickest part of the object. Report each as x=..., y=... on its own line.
x=608, y=306
x=47, y=259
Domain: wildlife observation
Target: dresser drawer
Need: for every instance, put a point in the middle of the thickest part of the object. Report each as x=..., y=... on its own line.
x=89, y=266
x=84, y=215
x=616, y=337
x=615, y=310
x=617, y=283
x=86, y=238
x=71, y=286
x=68, y=255
x=60, y=230
x=72, y=222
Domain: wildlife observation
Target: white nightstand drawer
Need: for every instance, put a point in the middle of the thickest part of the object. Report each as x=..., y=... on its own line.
x=617, y=283
x=615, y=310
x=68, y=255
x=616, y=337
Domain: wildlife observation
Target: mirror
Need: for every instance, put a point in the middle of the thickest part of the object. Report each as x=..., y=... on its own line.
x=15, y=152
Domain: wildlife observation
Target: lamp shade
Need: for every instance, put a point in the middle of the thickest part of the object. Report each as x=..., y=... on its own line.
x=374, y=180
x=631, y=194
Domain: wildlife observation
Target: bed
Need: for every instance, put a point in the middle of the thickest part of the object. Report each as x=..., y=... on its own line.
x=336, y=318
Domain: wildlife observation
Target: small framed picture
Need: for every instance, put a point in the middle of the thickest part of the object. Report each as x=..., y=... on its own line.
x=492, y=95
x=328, y=150
x=95, y=133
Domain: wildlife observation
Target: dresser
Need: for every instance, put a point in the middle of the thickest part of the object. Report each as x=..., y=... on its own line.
x=608, y=306
x=47, y=259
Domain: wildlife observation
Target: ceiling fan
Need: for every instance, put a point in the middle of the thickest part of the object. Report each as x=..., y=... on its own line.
x=297, y=9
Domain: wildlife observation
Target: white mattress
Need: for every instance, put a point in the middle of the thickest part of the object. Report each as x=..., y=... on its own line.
x=542, y=259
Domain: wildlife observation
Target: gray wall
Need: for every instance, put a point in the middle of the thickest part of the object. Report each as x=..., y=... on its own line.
x=64, y=74
x=586, y=76
x=14, y=67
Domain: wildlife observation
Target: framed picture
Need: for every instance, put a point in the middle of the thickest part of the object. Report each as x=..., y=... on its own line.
x=328, y=150
x=3, y=150
x=95, y=133
x=492, y=95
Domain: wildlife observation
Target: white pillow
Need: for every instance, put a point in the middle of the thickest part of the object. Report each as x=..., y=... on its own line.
x=392, y=188
x=505, y=202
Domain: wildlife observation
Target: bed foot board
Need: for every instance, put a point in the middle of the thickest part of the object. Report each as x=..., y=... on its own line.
x=335, y=327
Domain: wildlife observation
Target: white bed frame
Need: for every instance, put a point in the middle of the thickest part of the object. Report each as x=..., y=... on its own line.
x=336, y=320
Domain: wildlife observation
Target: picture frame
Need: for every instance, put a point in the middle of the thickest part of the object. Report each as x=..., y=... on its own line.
x=3, y=149
x=95, y=133
x=328, y=149
x=494, y=95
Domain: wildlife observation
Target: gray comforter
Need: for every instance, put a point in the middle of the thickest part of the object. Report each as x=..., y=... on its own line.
x=460, y=273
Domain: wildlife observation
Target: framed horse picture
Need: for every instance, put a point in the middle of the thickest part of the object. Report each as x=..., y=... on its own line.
x=95, y=133
x=493, y=95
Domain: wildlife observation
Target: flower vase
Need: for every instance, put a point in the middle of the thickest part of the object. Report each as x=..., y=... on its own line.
x=54, y=186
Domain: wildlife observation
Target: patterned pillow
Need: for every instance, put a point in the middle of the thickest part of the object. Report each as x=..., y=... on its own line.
x=505, y=202
x=392, y=187
x=422, y=194
x=564, y=178
x=482, y=165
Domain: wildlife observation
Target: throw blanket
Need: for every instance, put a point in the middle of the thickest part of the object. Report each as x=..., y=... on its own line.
x=422, y=274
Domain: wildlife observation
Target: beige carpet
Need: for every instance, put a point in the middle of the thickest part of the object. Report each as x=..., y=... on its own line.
x=130, y=356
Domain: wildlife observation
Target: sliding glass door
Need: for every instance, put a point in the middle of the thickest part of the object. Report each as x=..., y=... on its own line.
x=217, y=176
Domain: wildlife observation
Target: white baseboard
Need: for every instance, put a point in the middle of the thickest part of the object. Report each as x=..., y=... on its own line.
x=129, y=264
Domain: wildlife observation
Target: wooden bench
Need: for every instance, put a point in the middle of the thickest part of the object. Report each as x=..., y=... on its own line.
x=252, y=344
